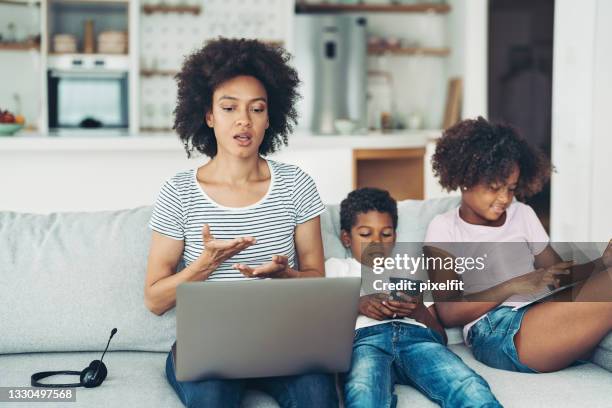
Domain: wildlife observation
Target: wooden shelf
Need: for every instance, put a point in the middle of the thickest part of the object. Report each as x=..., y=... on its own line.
x=272, y=43
x=434, y=52
x=160, y=8
x=151, y=73
x=156, y=130
x=19, y=46
x=372, y=8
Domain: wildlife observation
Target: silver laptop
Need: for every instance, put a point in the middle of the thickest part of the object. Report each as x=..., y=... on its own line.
x=264, y=328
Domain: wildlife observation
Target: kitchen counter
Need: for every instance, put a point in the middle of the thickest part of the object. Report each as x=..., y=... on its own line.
x=109, y=140
x=105, y=170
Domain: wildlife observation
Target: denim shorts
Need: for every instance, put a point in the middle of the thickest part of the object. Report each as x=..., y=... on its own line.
x=492, y=339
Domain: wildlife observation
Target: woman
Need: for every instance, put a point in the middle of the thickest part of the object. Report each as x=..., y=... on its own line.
x=239, y=216
x=491, y=164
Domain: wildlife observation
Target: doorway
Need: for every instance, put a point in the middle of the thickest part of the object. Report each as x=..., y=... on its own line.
x=520, y=76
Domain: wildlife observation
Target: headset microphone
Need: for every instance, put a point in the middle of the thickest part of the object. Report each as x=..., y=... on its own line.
x=92, y=376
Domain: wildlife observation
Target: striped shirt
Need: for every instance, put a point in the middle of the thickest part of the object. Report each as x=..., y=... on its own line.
x=183, y=207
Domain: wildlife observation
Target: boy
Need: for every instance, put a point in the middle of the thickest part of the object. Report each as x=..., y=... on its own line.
x=396, y=341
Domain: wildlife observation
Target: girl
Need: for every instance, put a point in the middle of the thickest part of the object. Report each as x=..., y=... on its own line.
x=239, y=216
x=492, y=164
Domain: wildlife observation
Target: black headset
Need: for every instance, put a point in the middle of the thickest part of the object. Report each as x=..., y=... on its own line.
x=90, y=377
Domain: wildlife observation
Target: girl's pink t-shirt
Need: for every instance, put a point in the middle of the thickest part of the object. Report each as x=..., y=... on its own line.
x=510, y=248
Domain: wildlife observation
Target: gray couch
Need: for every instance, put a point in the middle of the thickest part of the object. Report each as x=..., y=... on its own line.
x=67, y=279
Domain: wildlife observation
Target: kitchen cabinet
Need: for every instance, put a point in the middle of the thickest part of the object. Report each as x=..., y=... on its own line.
x=161, y=33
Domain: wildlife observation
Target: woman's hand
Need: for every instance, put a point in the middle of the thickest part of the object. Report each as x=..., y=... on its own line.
x=278, y=267
x=372, y=306
x=540, y=279
x=216, y=251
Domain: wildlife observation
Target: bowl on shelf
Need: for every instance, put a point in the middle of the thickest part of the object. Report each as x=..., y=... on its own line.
x=9, y=129
x=345, y=126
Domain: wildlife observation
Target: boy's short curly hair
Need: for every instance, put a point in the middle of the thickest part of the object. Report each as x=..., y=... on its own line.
x=475, y=151
x=363, y=200
x=221, y=60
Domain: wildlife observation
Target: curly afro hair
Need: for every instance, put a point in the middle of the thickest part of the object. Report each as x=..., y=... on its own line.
x=363, y=200
x=221, y=60
x=476, y=151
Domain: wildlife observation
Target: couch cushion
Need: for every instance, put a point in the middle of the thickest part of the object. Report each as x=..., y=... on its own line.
x=415, y=215
x=602, y=358
x=330, y=231
x=581, y=386
x=413, y=218
x=586, y=385
x=135, y=379
x=603, y=353
x=69, y=278
x=606, y=343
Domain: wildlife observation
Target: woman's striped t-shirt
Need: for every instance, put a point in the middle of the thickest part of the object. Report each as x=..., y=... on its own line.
x=182, y=209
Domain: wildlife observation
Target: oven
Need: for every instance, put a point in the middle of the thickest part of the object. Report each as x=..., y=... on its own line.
x=88, y=92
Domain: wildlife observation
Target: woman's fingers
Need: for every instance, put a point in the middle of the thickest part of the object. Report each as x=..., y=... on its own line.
x=267, y=268
x=281, y=260
x=278, y=264
x=236, y=244
x=208, y=238
x=242, y=241
x=206, y=235
x=244, y=269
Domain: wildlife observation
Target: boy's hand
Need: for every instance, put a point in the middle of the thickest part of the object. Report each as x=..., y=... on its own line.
x=372, y=306
x=409, y=306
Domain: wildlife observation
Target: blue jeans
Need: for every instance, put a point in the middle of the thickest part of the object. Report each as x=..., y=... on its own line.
x=310, y=390
x=492, y=339
x=402, y=353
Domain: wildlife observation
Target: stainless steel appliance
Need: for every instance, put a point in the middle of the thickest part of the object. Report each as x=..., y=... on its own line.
x=88, y=91
x=331, y=60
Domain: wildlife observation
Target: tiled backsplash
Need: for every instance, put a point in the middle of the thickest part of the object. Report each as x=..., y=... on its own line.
x=166, y=38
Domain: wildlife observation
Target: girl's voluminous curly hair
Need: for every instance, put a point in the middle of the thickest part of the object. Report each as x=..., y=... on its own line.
x=221, y=60
x=475, y=151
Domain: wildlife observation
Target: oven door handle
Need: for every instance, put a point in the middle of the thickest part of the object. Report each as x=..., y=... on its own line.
x=87, y=74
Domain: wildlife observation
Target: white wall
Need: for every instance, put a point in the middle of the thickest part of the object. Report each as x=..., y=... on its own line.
x=581, y=136
x=468, y=34
x=82, y=179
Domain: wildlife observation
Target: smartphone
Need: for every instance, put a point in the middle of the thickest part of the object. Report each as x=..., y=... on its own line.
x=413, y=293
